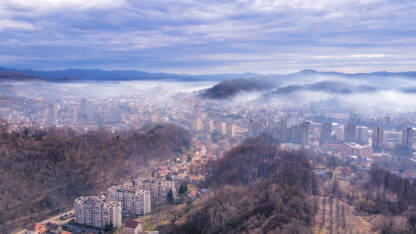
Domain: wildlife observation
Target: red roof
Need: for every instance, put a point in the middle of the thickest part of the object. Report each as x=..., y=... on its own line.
x=36, y=227
x=132, y=223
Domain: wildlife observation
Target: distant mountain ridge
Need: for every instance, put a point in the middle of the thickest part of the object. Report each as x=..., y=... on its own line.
x=9, y=75
x=128, y=75
x=117, y=75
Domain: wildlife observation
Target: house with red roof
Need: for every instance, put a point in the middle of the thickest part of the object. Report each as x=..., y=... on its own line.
x=36, y=229
x=133, y=226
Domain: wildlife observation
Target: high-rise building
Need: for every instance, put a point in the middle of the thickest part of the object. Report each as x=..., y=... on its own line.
x=97, y=211
x=281, y=133
x=349, y=132
x=198, y=112
x=197, y=125
x=257, y=127
x=233, y=130
x=303, y=133
x=134, y=201
x=158, y=188
x=391, y=139
x=208, y=138
x=210, y=126
x=223, y=128
x=339, y=133
x=407, y=135
x=361, y=135
x=325, y=133
x=377, y=139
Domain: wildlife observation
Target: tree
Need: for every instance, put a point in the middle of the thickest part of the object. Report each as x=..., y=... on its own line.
x=170, y=197
x=109, y=228
x=412, y=220
x=183, y=189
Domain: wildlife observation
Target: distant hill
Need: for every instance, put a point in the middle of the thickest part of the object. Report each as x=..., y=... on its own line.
x=126, y=75
x=117, y=75
x=229, y=88
x=16, y=76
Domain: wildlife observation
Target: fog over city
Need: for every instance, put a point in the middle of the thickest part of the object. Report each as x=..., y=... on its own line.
x=369, y=94
x=200, y=117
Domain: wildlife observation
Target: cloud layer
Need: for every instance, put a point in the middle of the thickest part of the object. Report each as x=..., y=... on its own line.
x=187, y=36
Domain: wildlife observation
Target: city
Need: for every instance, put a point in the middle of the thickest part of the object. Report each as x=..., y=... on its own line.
x=200, y=117
x=358, y=142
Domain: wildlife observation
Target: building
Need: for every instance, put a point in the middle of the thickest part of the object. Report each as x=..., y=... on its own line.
x=232, y=131
x=354, y=149
x=210, y=126
x=134, y=201
x=406, y=142
x=303, y=133
x=339, y=133
x=158, y=188
x=349, y=132
x=377, y=139
x=325, y=133
x=208, y=139
x=198, y=112
x=361, y=135
x=257, y=127
x=391, y=139
x=223, y=128
x=36, y=228
x=97, y=211
x=133, y=226
x=197, y=124
x=281, y=130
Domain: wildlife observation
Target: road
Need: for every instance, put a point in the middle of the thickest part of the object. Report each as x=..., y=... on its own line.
x=54, y=219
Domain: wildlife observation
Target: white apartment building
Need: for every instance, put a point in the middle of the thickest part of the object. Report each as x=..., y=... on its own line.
x=158, y=188
x=97, y=211
x=133, y=201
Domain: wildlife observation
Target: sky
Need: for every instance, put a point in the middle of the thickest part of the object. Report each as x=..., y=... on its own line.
x=215, y=36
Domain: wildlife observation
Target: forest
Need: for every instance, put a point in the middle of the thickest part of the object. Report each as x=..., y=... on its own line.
x=42, y=171
x=230, y=88
x=255, y=188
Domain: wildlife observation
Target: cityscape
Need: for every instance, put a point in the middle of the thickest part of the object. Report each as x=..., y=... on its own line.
x=188, y=117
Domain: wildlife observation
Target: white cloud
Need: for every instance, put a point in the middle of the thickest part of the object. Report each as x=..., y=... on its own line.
x=13, y=24
x=251, y=35
x=50, y=5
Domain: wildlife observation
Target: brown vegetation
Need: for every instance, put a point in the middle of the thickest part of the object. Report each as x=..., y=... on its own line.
x=42, y=171
x=254, y=189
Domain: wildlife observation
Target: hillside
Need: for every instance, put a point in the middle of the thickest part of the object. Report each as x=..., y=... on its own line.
x=50, y=168
x=230, y=88
x=254, y=189
x=16, y=76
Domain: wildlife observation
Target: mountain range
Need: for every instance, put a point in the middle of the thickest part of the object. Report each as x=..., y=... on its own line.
x=68, y=75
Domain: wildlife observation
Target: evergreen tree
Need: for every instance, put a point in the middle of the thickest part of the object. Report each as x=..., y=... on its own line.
x=183, y=189
x=170, y=197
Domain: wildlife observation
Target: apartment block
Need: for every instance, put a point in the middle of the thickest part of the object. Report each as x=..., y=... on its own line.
x=97, y=211
x=133, y=201
x=158, y=188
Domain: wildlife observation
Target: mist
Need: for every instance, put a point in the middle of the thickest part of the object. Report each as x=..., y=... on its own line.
x=107, y=102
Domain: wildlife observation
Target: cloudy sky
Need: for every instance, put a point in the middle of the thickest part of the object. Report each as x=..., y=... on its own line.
x=215, y=36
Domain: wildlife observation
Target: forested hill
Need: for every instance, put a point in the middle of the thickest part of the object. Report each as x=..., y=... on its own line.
x=42, y=171
x=254, y=189
x=230, y=88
